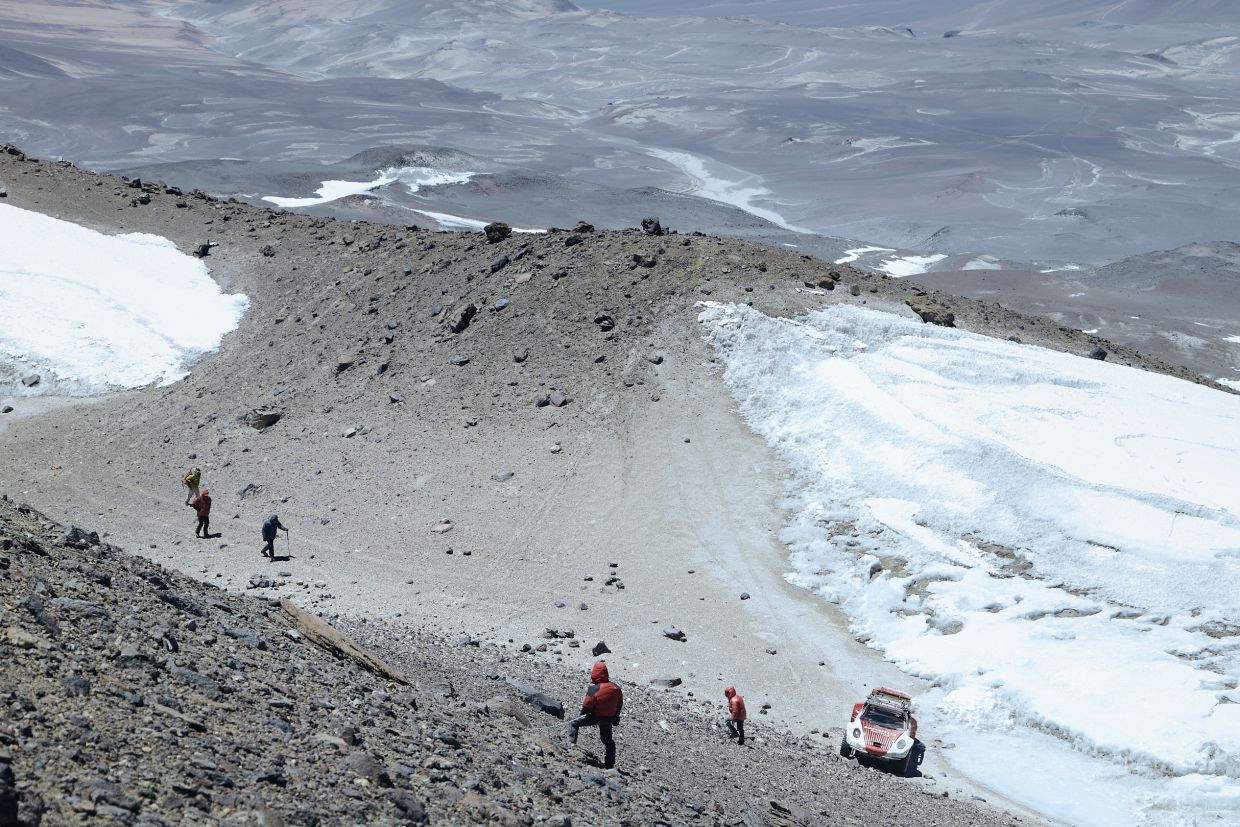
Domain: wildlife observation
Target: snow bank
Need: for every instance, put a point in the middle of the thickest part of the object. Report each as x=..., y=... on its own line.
x=412, y=177
x=89, y=311
x=1054, y=541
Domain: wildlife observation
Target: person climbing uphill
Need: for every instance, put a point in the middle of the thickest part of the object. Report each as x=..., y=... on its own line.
x=270, y=526
x=736, y=715
x=190, y=480
x=601, y=708
x=202, y=506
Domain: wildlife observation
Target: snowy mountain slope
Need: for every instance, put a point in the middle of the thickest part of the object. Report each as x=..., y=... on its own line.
x=1053, y=541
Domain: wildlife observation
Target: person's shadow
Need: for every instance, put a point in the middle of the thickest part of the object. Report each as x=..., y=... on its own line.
x=280, y=558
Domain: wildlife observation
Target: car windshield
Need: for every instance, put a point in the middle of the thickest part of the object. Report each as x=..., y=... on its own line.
x=882, y=717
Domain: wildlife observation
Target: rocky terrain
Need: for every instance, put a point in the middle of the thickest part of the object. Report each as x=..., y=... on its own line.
x=470, y=435
x=133, y=695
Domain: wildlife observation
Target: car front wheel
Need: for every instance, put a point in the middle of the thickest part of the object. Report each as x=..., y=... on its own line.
x=846, y=750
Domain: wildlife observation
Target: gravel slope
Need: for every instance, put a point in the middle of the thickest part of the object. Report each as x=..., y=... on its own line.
x=391, y=423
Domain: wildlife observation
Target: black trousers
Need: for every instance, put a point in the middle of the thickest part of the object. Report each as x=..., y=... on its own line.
x=604, y=733
x=203, y=523
x=270, y=548
x=737, y=730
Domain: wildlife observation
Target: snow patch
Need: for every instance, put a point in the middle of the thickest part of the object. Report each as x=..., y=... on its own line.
x=1053, y=541
x=89, y=311
x=852, y=255
x=909, y=265
x=412, y=177
x=718, y=182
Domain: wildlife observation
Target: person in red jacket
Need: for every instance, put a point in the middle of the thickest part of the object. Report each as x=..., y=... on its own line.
x=202, y=506
x=736, y=715
x=601, y=708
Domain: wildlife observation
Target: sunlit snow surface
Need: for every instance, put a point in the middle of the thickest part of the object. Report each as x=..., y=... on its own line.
x=1052, y=540
x=412, y=177
x=89, y=311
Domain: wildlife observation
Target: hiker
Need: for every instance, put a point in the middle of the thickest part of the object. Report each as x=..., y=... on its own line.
x=202, y=505
x=190, y=480
x=270, y=526
x=736, y=715
x=601, y=708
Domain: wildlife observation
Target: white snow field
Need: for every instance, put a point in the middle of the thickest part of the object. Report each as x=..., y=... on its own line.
x=1053, y=542
x=89, y=311
x=412, y=177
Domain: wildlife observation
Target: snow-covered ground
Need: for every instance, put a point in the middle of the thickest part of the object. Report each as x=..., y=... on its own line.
x=715, y=181
x=1053, y=542
x=88, y=311
x=412, y=177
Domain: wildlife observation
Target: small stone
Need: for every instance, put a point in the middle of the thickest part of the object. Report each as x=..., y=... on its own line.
x=461, y=361
x=7, y=409
x=655, y=359
x=443, y=526
x=395, y=398
x=744, y=595
x=673, y=633
x=500, y=304
x=520, y=356
x=1098, y=353
x=502, y=475
x=31, y=380
x=600, y=648
x=854, y=290
x=573, y=240
x=666, y=683
x=499, y=263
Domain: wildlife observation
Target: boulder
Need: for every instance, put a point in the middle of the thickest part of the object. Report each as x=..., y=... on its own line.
x=460, y=320
x=31, y=380
x=1098, y=353
x=497, y=231
x=499, y=263
x=651, y=226
x=933, y=313
x=583, y=227
x=264, y=417
x=573, y=240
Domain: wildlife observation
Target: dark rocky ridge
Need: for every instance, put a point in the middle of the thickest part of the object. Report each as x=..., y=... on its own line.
x=133, y=695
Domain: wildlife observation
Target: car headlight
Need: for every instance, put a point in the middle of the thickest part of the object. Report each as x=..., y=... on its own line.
x=902, y=744
x=856, y=733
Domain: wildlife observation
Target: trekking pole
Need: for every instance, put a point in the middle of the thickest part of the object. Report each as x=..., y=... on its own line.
x=288, y=545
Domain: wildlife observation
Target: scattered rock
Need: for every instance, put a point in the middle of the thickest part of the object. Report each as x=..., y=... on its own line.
x=443, y=526
x=1098, y=353
x=672, y=633
x=502, y=476
x=262, y=418
x=744, y=595
x=499, y=263
x=666, y=683
x=651, y=226
x=461, y=319
x=644, y=260
x=496, y=232
x=572, y=240
x=604, y=322
x=32, y=380
x=600, y=648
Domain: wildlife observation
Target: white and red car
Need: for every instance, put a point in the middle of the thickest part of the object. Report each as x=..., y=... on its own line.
x=883, y=729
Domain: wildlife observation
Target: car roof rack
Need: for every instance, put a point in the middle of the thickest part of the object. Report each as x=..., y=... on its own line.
x=890, y=698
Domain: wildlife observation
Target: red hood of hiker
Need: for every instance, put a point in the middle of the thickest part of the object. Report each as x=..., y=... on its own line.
x=729, y=691
x=598, y=674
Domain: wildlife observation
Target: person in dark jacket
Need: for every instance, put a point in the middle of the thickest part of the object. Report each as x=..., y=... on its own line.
x=601, y=708
x=270, y=526
x=736, y=715
x=202, y=507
